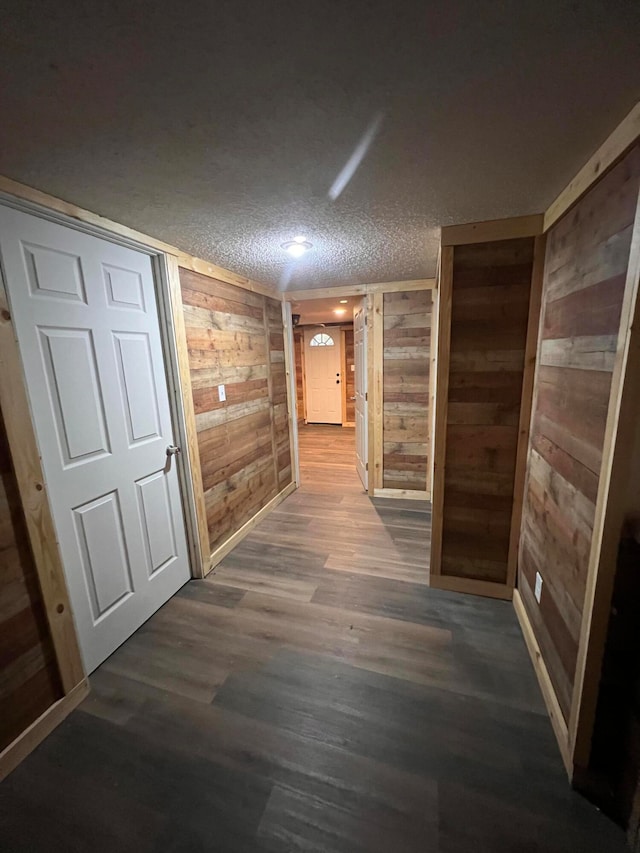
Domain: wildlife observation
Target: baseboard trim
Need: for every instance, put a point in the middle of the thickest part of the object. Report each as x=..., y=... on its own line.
x=404, y=494
x=220, y=553
x=548, y=693
x=31, y=737
x=471, y=586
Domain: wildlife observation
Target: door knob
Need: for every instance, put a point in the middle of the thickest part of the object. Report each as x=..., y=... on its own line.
x=172, y=450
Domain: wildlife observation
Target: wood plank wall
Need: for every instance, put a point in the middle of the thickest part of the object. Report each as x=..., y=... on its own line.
x=29, y=680
x=350, y=378
x=491, y=287
x=585, y=269
x=235, y=337
x=406, y=357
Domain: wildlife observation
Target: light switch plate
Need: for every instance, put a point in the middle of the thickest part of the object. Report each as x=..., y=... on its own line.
x=222, y=394
x=538, y=588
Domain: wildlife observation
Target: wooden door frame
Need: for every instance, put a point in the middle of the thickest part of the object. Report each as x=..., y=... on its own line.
x=23, y=438
x=292, y=396
x=374, y=295
x=336, y=332
x=170, y=324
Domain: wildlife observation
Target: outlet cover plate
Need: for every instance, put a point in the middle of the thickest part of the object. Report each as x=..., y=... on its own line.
x=538, y=588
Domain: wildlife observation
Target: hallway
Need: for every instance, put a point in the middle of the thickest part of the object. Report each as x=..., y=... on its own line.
x=312, y=694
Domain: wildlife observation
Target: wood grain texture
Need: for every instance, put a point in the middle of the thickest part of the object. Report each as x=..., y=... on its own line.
x=618, y=498
x=492, y=230
x=585, y=268
x=490, y=299
x=235, y=337
x=359, y=289
x=442, y=330
x=406, y=365
x=199, y=539
x=29, y=678
x=286, y=704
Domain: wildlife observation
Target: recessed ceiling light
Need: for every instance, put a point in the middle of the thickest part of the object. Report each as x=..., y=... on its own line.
x=297, y=247
x=339, y=310
x=343, y=301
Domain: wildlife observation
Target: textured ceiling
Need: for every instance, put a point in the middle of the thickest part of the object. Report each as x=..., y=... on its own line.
x=323, y=310
x=220, y=127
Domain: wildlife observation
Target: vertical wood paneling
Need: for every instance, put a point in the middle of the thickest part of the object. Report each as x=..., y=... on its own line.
x=406, y=353
x=235, y=337
x=490, y=294
x=585, y=269
x=29, y=680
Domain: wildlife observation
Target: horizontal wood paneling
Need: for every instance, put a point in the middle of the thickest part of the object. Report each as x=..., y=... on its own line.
x=235, y=337
x=405, y=387
x=491, y=288
x=29, y=680
x=585, y=269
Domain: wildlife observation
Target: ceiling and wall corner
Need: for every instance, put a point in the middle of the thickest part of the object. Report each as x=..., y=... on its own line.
x=223, y=127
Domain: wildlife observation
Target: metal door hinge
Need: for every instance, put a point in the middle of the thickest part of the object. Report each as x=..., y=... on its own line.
x=366, y=396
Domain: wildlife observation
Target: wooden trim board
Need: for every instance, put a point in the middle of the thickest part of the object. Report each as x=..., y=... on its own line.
x=624, y=409
x=493, y=229
x=546, y=686
x=220, y=274
x=526, y=405
x=25, y=455
x=403, y=494
x=441, y=392
x=31, y=737
x=359, y=289
x=220, y=553
x=343, y=377
x=488, y=589
x=274, y=451
x=292, y=391
x=199, y=529
x=622, y=138
x=376, y=399
x=370, y=392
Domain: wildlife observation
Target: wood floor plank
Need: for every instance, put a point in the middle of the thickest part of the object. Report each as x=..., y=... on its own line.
x=312, y=694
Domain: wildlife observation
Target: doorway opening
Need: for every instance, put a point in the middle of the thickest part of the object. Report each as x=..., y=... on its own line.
x=330, y=363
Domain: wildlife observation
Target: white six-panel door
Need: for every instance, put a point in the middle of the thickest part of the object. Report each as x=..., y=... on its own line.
x=323, y=365
x=86, y=317
x=360, y=359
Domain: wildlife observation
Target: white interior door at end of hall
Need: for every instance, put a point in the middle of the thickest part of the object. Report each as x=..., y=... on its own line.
x=323, y=364
x=87, y=324
x=360, y=359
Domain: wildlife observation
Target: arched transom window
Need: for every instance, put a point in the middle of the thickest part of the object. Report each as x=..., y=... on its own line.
x=321, y=340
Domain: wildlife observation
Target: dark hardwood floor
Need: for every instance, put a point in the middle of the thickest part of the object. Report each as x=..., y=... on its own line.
x=313, y=694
